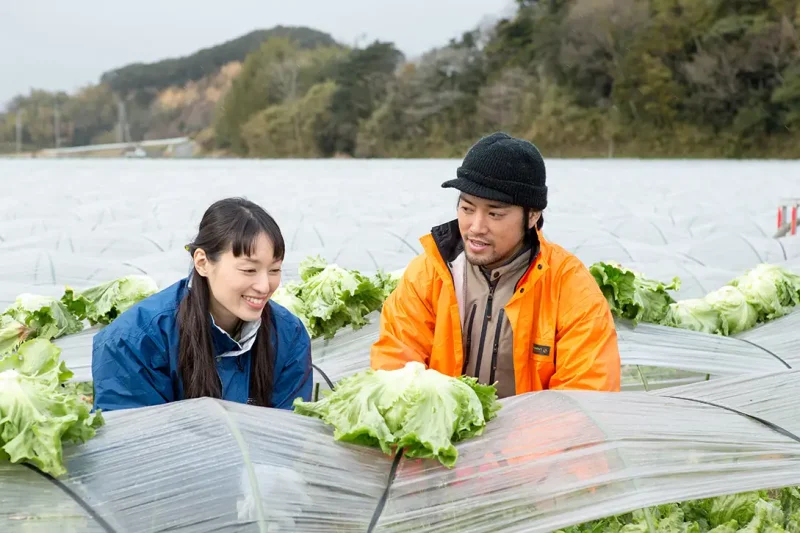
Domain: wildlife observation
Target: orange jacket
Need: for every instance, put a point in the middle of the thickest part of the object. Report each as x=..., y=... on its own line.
x=557, y=305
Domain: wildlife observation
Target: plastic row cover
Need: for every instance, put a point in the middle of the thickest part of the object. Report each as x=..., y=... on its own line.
x=76, y=352
x=562, y=458
x=652, y=356
x=765, y=398
x=86, y=256
x=549, y=460
x=649, y=344
x=780, y=337
x=43, y=267
x=207, y=465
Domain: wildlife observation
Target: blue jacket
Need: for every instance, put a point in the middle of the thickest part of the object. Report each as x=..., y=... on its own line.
x=135, y=358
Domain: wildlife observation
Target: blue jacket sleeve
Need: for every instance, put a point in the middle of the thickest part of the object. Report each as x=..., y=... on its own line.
x=127, y=374
x=295, y=379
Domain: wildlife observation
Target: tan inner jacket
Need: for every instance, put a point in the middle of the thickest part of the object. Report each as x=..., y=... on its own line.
x=488, y=340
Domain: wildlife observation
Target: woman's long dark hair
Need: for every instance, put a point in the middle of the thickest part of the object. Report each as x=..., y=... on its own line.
x=231, y=224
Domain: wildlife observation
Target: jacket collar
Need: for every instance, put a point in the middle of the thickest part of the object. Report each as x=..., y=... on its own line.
x=448, y=240
x=227, y=346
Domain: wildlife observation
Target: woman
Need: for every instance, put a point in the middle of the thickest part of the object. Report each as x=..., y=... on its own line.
x=215, y=333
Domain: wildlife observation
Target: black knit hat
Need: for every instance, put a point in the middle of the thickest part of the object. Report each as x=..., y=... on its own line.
x=505, y=169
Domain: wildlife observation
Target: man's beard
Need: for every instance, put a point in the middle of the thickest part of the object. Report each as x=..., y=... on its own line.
x=479, y=260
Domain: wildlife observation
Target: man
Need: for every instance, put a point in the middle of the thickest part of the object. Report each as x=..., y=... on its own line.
x=489, y=297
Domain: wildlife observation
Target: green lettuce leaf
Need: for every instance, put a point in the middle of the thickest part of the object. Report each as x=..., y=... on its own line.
x=653, y=297
x=44, y=316
x=616, y=285
x=736, y=314
x=387, y=281
x=311, y=266
x=12, y=334
x=739, y=507
x=287, y=296
x=729, y=527
x=414, y=408
x=631, y=294
x=793, y=523
x=103, y=303
x=768, y=517
x=38, y=414
x=790, y=503
x=329, y=297
x=771, y=289
x=487, y=395
x=694, y=314
x=749, y=512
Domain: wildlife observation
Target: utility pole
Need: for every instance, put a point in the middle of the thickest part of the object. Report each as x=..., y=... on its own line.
x=57, y=125
x=120, y=121
x=123, y=130
x=19, y=130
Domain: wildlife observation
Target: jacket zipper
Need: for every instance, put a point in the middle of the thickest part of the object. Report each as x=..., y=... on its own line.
x=469, y=339
x=487, y=316
x=496, y=344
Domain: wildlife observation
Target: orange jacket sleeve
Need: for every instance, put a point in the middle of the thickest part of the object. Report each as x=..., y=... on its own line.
x=407, y=321
x=587, y=353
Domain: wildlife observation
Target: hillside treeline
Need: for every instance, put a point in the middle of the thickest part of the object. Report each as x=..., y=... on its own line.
x=641, y=78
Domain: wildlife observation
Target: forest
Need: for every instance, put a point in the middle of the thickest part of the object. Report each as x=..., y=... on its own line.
x=579, y=78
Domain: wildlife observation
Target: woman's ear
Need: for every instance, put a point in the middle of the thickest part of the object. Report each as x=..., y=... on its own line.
x=200, y=262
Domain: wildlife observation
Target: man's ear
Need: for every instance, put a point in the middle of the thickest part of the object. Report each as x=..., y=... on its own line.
x=200, y=262
x=533, y=218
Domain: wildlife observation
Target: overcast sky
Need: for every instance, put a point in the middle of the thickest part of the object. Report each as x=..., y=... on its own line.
x=65, y=44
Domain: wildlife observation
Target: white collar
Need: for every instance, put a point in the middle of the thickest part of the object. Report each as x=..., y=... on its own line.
x=248, y=337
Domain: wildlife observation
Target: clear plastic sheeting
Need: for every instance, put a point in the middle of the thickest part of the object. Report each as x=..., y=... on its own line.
x=157, y=205
x=11, y=230
x=791, y=245
x=43, y=267
x=345, y=354
x=9, y=291
x=781, y=337
x=793, y=265
x=165, y=267
x=207, y=465
x=712, y=220
x=30, y=504
x=653, y=229
x=593, y=249
x=653, y=345
x=647, y=378
x=549, y=460
x=735, y=251
x=76, y=352
x=99, y=243
x=555, y=459
x=766, y=397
